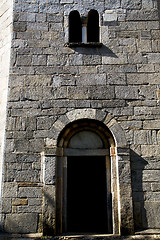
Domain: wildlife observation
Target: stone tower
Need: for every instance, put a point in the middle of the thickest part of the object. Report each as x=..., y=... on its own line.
x=80, y=137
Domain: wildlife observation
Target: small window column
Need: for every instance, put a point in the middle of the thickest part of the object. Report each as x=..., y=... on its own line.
x=84, y=29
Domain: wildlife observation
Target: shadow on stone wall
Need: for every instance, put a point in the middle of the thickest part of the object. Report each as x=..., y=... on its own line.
x=48, y=212
x=102, y=51
x=157, y=4
x=138, y=165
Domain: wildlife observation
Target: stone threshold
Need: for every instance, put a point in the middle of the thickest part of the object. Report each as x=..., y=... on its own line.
x=149, y=234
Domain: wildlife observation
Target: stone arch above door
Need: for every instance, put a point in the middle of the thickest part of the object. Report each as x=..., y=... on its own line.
x=123, y=212
x=99, y=115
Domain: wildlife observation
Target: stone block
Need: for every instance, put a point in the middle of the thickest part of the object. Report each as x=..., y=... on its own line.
x=150, y=150
x=110, y=4
x=78, y=92
x=21, y=223
x=131, y=4
x=48, y=210
x=124, y=172
x=137, y=58
x=126, y=92
x=102, y=92
x=30, y=192
x=19, y=202
x=10, y=189
x=44, y=123
x=14, y=94
x=151, y=175
x=127, y=225
x=34, y=93
x=145, y=45
x=36, y=145
x=59, y=125
x=25, y=175
x=112, y=103
x=142, y=15
x=110, y=16
x=112, y=69
x=21, y=145
x=20, y=26
x=34, y=201
x=151, y=214
x=145, y=68
x=55, y=60
x=29, y=209
x=147, y=4
x=40, y=17
x=144, y=137
x=145, y=110
x=155, y=34
x=119, y=135
x=66, y=1
x=121, y=111
x=40, y=26
x=155, y=187
x=91, y=79
x=6, y=205
x=39, y=60
x=50, y=170
x=75, y=59
x=100, y=115
x=132, y=125
x=56, y=18
x=81, y=113
x=10, y=157
x=25, y=60
x=144, y=36
x=50, y=7
x=28, y=158
x=116, y=79
x=87, y=69
x=115, y=59
x=153, y=58
x=91, y=59
x=37, y=80
x=140, y=78
x=84, y=104
x=55, y=93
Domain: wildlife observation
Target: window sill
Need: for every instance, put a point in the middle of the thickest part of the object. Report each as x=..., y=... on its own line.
x=80, y=44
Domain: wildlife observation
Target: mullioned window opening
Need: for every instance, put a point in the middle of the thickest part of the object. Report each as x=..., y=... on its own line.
x=84, y=30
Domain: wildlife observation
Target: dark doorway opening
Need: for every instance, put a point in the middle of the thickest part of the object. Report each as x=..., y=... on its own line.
x=86, y=194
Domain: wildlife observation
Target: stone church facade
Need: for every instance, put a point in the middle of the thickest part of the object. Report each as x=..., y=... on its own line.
x=80, y=137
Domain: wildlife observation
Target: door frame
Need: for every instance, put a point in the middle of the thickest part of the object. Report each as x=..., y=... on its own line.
x=61, y=203
x=61, y=175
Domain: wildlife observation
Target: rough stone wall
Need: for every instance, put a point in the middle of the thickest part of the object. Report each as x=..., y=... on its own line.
x=5, y=46
x=47, y=80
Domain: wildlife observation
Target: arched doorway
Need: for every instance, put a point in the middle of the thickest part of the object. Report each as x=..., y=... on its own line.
x=84, y=191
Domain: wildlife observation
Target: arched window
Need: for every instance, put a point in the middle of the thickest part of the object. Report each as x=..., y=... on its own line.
x=75, y=27
x=93, y=26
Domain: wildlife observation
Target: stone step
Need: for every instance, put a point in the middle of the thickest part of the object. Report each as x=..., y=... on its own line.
x=137, y=236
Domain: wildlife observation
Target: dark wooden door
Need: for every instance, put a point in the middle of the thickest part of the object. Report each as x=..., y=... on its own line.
x=86, y=194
